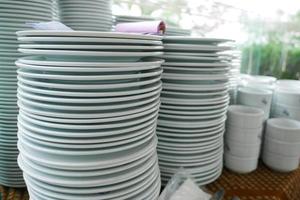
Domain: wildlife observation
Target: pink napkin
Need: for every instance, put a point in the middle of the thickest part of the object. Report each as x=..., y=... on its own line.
x=146, y=27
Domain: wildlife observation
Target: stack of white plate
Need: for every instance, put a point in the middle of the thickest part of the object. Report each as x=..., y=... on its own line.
x=193, y=111
x=13, y=15
x=88, y=111
x=243, y=135
x=286, y=103
x=282, y=144
x=177, y=31
x=84, y=15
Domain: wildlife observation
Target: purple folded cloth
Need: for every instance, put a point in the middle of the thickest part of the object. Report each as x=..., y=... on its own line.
x=146, y=27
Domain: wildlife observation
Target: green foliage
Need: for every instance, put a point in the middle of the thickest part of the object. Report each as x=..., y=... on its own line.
x=272, y=58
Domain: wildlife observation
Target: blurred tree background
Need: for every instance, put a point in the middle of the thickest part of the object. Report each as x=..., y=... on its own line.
x=273, y=50
x=272, y=46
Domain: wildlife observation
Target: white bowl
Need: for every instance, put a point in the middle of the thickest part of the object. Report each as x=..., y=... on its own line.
x=255, y=97
x=285, y=111
x=286, y=130
x=243, y=135
x=243, y=149
x=281, y=148
x=240, y=165
x=280, y=163
x=245, y=116
x=288, y=85
x=288, y=97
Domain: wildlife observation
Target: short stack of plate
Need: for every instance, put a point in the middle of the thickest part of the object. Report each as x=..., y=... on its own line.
x=193, y=110
x=13, y=15
x=89, y=103
x=84, y=15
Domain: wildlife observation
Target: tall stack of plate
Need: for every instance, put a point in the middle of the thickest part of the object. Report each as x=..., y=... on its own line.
x=89, y=103
x=13, y=15
x=84, y=15
x=193, y=110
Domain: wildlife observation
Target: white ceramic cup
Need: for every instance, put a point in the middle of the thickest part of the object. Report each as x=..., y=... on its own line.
x=243, y=149
x=288, y=97
x=281, y=148
x=240, y=165
x=255, y=97
x=245, y=116
x=280, y=163
x=243, y=135
x=286, y=111
x=282, y=129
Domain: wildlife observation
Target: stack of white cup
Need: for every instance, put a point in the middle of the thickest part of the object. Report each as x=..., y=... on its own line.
x=286, y=103
x=256, y=97
x=282, y=144
x=243, y=138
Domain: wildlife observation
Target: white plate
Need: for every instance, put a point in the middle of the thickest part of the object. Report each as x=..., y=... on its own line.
x=120, y=194
x=191, y=117
x=81, y=77
x=95, y=190
x=193, y=47
x=89, y=34
x=192, y=112
x=44, y=111
x=197, y=64
x=15, y=12
x=95, y=47
x=194, y=77
x=118, y=159
x=105, y=55
x=90, y=181
x=44, y=61
x=205, y=101
x=93, y=40
x=194, y=40
x=27, y=93
x=130, y=128
x=92, y=108
x=196, y=70
x=196, y=87
x=191, y=123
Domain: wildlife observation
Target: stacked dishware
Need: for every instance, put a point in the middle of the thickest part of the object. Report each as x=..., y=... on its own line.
x=13, y=16
x=282, y=144
x=286, y=102
x=193, y=110
x=256, y=97
x=243, y=135
x=84, y=15
x=89, y=103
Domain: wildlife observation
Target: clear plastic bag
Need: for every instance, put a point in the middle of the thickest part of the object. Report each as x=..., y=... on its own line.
x=182, y=187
